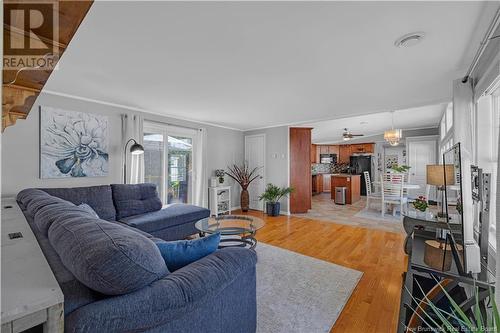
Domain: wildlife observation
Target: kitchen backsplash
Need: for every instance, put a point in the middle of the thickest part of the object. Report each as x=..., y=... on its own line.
x=320, y=168
x=329, y=168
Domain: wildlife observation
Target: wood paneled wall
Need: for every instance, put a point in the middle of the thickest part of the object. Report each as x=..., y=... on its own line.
x=22, y=85
x=300, y=169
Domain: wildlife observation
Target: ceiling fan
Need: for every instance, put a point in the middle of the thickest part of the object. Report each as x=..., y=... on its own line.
x=347, y=135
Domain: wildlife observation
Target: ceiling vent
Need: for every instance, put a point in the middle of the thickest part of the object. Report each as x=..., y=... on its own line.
x=409, y=39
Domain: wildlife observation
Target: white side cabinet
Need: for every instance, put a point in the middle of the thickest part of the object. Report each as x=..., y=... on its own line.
x=30, y=292
x=219, y=200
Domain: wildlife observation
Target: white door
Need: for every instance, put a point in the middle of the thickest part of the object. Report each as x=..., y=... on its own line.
x=255, y=156
x=421, y=152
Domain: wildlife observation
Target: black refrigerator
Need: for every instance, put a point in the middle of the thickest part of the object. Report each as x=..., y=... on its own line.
x=359, y=164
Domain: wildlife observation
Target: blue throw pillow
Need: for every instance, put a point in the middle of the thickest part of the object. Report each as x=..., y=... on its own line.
x=180, y=253
x=89, y=209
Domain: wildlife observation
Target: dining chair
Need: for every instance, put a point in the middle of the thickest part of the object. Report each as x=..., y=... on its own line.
x=392, y=191
x=370, y=194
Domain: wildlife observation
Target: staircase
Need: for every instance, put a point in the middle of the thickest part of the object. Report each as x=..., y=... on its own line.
x=21, y=84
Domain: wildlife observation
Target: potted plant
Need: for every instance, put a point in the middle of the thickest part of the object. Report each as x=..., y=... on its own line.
x=457, y=317
x=272, y=195
x=243, y=176
x=401, y=168
x=420, y=204
x=220, y=173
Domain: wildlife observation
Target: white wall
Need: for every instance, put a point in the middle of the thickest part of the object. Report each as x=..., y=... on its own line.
x=276, y=157
x=20, y=147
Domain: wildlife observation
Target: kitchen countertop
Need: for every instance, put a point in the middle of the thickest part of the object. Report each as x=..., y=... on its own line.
x=331, y=173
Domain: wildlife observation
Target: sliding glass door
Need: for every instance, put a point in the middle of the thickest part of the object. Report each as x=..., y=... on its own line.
x=168, y=161
x=180, y=168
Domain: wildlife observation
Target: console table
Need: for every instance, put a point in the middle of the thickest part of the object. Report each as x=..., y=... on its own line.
x=413, y=220
x=419, y=229
x=30, y=293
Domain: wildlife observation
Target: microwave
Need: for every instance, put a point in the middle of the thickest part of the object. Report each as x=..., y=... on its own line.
x=328, y=158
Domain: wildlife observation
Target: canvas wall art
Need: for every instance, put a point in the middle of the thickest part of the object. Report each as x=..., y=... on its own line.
x=73, y=144
x=390, y=161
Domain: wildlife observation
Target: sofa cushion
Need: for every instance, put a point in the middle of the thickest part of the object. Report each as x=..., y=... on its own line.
x=135, y=199
x=105, y=256
x=97, y=197
x=170, y=216
x=178, y=254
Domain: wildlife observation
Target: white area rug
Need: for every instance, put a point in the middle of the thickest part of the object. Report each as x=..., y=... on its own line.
x=373, y=214
x=297, y=293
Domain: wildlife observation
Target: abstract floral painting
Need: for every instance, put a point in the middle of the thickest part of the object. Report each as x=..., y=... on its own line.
x=73, y=144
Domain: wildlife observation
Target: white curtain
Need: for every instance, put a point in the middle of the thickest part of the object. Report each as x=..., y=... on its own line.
x=497, y=290
x=132, y=128
x=200, y=192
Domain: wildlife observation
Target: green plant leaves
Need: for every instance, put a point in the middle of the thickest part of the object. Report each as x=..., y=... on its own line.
x=274, y=193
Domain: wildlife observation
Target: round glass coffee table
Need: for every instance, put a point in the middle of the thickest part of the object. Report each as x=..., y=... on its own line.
x=235, y=230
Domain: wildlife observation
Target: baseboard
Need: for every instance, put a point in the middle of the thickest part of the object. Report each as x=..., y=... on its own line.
x=286, y=213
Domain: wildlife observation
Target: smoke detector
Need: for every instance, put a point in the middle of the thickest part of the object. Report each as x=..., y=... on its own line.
x=409, y=39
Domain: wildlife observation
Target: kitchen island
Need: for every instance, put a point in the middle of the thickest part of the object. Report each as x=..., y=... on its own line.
x=352, y=183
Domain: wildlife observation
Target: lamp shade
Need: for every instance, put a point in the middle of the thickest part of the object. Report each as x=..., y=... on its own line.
x=136, y=149
x=436, y=174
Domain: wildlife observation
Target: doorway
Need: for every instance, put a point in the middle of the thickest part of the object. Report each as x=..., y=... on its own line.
x=421, y=152
x=169, y=162
x=255, y=156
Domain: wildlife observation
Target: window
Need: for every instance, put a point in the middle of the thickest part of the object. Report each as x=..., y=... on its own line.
x=442, y=127
x=446, y=129
x=486, y=146
x=449, y=117
x=168, y=161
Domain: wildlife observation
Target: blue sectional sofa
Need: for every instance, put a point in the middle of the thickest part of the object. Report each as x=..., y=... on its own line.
x=138, y=206
x=112, y=274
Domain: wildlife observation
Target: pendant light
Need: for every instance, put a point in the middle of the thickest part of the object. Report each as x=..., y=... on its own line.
x=393, y=136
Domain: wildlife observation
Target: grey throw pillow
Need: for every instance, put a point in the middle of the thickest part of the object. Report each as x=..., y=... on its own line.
x=89, y=209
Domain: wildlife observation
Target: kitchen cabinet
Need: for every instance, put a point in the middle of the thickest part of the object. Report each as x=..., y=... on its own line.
x=364, y=148
x=327, y=184
x=334, y=149
x=323, y=149
x=313, y=154
x=352, y=183
x=317, y=184
x=344, y=153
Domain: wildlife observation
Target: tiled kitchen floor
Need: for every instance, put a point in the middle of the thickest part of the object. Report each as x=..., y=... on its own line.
x=324, y=209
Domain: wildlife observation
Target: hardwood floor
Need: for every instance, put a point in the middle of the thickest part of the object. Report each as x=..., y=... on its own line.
x=374, y=304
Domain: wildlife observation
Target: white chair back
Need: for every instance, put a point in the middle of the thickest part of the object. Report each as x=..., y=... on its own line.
x=368, y=183
x=392, y=187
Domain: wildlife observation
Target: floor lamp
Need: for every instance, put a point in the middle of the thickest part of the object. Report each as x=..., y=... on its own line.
x=135, y=149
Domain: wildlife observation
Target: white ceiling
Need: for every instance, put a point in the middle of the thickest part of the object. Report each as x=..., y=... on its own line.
x=247, y=65
x=373, y=124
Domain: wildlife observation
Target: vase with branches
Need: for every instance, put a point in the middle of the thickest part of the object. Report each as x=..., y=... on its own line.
x=243, y=176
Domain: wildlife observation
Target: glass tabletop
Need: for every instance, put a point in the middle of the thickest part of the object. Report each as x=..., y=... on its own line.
x=430, y=215
x=230, y=224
